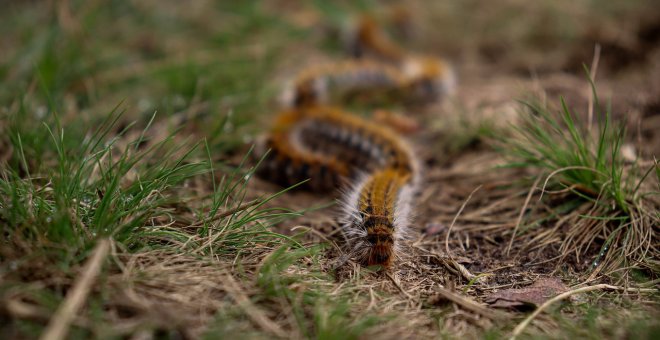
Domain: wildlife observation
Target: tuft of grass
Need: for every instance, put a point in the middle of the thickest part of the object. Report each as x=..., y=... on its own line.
x=587, y=163
x=591, y=167
x=130, y=187
x=92, y=188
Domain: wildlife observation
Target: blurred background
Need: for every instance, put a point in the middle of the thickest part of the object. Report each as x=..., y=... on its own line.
x=221, y=58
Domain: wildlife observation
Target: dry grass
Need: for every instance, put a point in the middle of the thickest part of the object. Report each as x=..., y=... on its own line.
x=218, y=256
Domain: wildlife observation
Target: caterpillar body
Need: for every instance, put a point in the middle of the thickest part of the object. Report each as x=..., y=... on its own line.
x=416, y=80
x=429, y=78
x=377, y=215
x=345, y=81
x=366, y=39
x=326, y=144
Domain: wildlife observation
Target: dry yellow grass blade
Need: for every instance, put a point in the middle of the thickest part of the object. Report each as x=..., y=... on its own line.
x=58, y=326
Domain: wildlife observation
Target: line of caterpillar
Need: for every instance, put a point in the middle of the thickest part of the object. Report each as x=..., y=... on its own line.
x=329, y=146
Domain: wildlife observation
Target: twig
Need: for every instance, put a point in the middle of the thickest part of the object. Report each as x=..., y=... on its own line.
x=399, y=286
x=562, y=296
x=58, y=326
x=522, y=213
x=454, y=220
x=458, y=266
x=467, y=303
x=451, y=264
x=21, y=310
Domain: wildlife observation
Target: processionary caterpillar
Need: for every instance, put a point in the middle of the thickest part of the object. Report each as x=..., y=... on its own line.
x=429, y=78
x=366, y=39
x=313, y=140
x=326, y=144
x=417, y=80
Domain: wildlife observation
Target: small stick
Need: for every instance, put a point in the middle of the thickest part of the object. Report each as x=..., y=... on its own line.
x=458, y=266
x=58, y=327
x=469, y=304
x=397, y=285
x=562, y=296
x=522, y=213
x=454, y=220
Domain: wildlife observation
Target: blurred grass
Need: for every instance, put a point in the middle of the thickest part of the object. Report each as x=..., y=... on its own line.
x=586, y=161
x=83, y=58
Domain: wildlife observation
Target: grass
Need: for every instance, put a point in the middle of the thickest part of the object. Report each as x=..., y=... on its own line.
x=570, y=152
x=78, y=171
x=84, y=193
x=133, y=191
x=587, y=162
x=133, y=121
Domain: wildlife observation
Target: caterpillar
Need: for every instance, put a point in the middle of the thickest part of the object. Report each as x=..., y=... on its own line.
x=428, y=78
x=366, y=39
x=345, y=81
x=418, y=80
x=377, y=215
x=328, y=146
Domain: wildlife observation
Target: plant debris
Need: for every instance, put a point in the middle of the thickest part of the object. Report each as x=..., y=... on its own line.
x=528, y=297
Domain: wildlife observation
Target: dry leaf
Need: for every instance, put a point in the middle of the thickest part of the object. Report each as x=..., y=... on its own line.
x=534, y=295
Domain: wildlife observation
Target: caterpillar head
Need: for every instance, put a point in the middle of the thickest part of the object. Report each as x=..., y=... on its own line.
x=429, y=79
x=365, y=38
x=380, y=245
x=304, y=92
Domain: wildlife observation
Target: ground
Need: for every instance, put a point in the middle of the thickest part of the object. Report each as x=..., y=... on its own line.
x=130, y=208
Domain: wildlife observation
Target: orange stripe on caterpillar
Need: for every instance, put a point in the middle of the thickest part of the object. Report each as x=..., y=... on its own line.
x=377, y=216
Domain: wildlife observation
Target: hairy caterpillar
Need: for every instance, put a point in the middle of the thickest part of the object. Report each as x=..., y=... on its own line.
x=418, y=80
x=428, y=78
x=345, y=81
x=327, y=145
x=377, y=215
x=366, y=39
